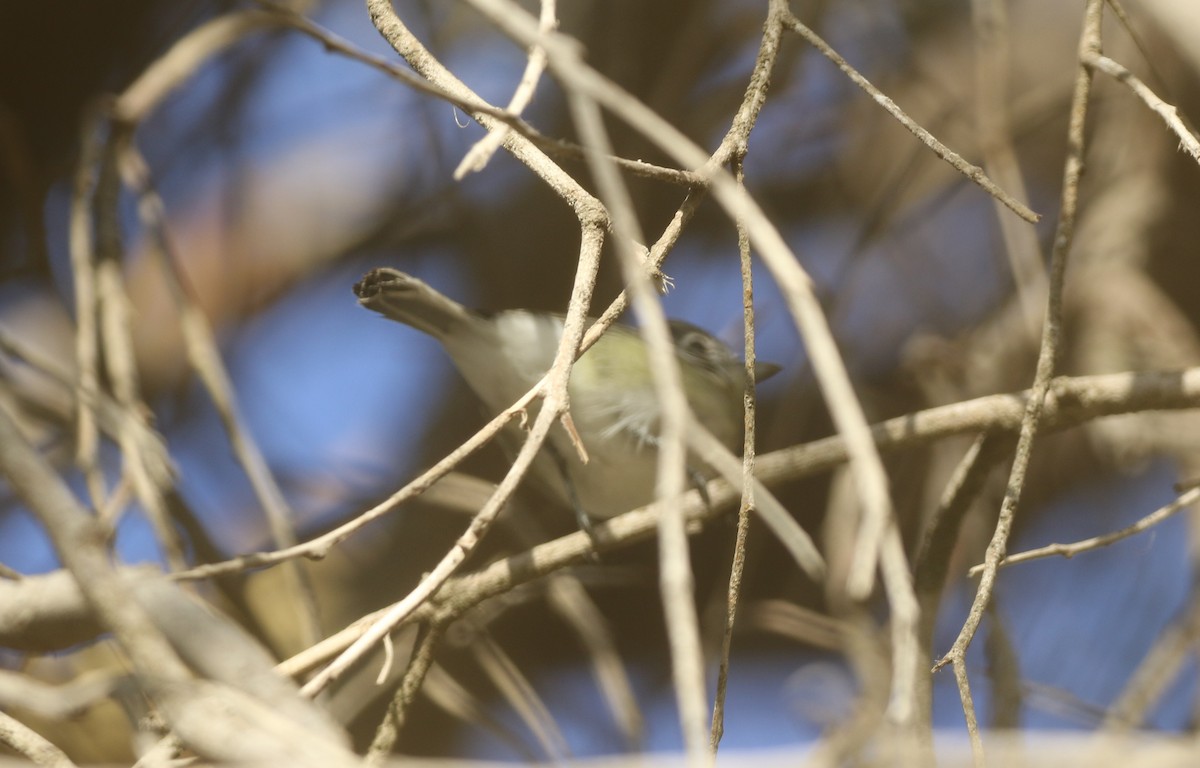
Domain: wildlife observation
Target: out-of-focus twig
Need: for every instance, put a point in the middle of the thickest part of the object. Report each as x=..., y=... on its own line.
x=520, y=694
x=151, y=480
x=994, y=129
x=215, y=720
x=1156, y=672
x=676, y=582
x=204, y=355
x=87, y=355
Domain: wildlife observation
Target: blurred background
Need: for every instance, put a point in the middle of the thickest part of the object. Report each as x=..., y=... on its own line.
x=287, y=171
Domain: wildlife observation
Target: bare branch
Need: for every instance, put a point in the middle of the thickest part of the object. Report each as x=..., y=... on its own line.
x=1051, y=332
x=1099, y=542
x=28, y=742
x=972, y=172
x=1188, y=141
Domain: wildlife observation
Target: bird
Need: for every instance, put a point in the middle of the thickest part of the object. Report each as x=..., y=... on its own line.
x=613, y=402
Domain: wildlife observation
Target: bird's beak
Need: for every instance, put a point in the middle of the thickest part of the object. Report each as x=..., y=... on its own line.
x=764, y=371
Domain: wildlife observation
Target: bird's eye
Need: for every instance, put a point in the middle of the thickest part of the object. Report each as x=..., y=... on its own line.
x=695, y=344
x=700, y=348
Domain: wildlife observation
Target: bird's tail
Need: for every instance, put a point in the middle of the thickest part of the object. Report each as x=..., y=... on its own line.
x=407, y=300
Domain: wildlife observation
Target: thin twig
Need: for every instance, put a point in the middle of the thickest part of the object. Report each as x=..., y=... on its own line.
x=288, y=18
x=972, y=172
x=932, y=561
x=477, y=158
x=1098, y=542
x=397, y=711
x=735, y=143
x=561, y=148
x=1047, y=358
x=738, y=566
x=968, y=706
x=1051, y=331
x=25, y=741
x=1188, y=141
x=320, y=546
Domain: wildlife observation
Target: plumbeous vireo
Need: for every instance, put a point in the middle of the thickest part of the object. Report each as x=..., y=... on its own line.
x=613, y=400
